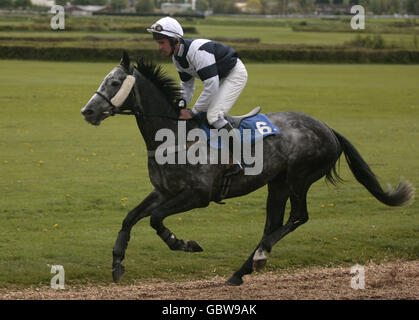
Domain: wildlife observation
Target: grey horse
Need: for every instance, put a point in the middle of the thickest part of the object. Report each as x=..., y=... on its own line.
x=305, y=151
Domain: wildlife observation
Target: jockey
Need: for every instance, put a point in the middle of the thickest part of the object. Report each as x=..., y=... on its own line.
x=223, y=74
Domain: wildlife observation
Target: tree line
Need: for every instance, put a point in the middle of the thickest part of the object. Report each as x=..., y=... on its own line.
x=248, y=6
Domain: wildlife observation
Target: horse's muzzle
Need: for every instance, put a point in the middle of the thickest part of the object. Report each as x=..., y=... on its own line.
x=87, y=112
x=91, y=116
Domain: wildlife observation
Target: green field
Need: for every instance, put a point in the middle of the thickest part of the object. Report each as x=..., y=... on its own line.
x=66, y=186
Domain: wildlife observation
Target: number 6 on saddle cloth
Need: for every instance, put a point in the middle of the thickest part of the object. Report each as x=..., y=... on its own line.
x=258, y=123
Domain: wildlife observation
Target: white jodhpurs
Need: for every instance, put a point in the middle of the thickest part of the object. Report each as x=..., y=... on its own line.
x=229, y=91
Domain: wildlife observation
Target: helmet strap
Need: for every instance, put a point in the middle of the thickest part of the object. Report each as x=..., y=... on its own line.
x=173, y=44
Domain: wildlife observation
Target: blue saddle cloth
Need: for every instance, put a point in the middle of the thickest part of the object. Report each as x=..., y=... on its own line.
x=260, y=127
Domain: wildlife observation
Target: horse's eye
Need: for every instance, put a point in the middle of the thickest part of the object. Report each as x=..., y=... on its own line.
x=115, y=83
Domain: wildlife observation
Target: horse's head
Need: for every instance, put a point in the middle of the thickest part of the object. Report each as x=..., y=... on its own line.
x=112, y=93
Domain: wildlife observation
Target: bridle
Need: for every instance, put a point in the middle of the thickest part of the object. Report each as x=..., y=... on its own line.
x=137, y=109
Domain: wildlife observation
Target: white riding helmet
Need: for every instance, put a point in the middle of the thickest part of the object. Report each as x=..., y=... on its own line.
x=167, y=26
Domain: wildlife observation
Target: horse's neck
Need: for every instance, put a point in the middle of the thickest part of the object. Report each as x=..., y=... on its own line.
x=153, y=104
x=149, y=126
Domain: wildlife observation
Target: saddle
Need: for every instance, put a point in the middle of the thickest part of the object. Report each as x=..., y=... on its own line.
x=236, y=120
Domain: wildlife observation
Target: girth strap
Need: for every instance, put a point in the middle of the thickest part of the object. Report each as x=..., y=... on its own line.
x=169, y=150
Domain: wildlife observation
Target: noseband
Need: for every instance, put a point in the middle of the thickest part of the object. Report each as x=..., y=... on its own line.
x=113, y=107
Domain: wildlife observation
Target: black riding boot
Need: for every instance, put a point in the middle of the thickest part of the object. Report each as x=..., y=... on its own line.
x=237, y=165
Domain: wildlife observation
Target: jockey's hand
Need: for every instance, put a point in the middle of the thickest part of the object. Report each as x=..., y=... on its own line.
x=185, y=114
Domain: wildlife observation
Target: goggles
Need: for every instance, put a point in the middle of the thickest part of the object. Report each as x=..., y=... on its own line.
x=158, y=28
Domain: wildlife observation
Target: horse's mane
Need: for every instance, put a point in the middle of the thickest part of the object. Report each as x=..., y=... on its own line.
x=159, y=78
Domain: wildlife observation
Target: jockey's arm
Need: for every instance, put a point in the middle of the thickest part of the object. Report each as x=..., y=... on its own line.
x=187, y=87
x=207, y=71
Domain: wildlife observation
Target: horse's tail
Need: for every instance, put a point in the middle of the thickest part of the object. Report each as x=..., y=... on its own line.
x=401, y=196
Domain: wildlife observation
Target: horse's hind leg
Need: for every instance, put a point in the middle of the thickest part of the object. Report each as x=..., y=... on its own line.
x=278, y=193
x=300, y=183
x=298, y=215
x=273, y=233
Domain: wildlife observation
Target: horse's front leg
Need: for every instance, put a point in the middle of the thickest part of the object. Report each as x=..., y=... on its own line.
x=184, y=201
x=143, y=210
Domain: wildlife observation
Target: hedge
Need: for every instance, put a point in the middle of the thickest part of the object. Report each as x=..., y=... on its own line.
x=332, y=55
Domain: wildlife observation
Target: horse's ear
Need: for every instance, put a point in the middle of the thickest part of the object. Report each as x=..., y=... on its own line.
x=125, y=62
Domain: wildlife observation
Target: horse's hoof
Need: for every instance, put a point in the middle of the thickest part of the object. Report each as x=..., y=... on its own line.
x=118, y=271
x=259, y=260
x=234, y=281
x=193, y=246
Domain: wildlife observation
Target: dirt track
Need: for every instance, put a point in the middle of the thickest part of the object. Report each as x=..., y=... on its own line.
x=396, y=280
